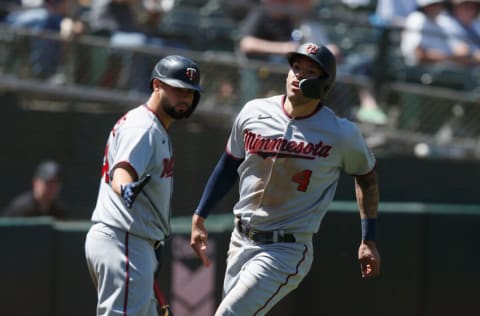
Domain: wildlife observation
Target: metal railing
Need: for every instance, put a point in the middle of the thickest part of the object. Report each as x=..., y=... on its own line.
x=423, y=120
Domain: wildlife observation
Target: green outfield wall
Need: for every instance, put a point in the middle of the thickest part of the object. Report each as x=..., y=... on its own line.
x=430, y=266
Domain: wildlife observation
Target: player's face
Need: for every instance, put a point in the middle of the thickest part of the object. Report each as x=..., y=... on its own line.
x=302, y=68
x=177, y=102
x=466, y=11
x=46, y=190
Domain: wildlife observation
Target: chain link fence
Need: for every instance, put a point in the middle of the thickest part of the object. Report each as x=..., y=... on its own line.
x=423, y=118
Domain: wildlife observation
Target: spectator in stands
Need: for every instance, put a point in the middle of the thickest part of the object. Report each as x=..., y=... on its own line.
x=150, y=16
x=75, y=22
x=41, y=15
x=354, y=4
x=368, y=110
x=110, y=16
x=463, y=28
x=436, y=46
x=393, y=12
x=424, y=40
x=119, y=22
x=43, y=198
x=115, y=20
x=388, y=13
x=280, y=26
x=268, y=33
x=8, y=5
x=311, y=29
x=238, y=10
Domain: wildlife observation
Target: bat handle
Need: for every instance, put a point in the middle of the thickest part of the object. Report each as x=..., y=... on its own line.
x=158, y=294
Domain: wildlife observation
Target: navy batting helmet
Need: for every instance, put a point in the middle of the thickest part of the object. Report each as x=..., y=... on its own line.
x=316, y=88
x=180, y=72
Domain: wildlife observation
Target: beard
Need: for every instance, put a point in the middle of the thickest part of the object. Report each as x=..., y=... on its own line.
x=170, y=110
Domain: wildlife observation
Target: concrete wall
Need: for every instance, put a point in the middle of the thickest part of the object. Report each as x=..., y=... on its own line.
x=429, y=253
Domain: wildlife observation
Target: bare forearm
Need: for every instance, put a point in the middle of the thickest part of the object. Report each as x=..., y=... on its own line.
x=252, y=44
x=122, y=174
x=367, y=194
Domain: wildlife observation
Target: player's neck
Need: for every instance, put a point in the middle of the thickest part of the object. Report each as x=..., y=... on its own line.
x=154, y=105
x=300, y=109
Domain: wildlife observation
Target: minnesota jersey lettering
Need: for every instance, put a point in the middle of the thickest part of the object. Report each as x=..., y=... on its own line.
x=281, y=147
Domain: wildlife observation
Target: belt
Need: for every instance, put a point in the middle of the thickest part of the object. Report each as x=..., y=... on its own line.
x=264, y=237
x=157, y=244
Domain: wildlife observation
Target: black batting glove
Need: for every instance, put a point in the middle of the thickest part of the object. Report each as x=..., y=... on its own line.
x=131, y=190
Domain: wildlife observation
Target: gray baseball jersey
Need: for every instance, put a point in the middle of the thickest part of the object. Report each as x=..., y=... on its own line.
x=292, y=165
x=140, y=139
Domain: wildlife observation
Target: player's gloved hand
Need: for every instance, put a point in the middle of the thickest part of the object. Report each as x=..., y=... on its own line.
x=166, y=311
x=131, y=190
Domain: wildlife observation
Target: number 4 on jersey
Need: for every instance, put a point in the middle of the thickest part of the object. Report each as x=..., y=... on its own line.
x=303, y=179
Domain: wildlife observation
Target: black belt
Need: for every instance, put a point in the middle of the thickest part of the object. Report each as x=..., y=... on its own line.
x=264, y=237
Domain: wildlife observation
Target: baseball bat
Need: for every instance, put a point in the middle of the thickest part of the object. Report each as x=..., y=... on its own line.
x=162, y=301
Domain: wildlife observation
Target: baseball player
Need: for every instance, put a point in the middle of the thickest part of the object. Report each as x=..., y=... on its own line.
x=288, y=152
x=132, y=215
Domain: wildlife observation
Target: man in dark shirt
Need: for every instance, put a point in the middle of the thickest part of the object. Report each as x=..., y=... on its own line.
x=42, y=200
x=265, y=35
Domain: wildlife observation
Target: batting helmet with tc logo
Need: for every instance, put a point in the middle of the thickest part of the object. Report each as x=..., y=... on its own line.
x=180, y=72
x=316, y=88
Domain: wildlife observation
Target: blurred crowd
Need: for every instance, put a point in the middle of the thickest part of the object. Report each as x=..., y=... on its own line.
x=439, y=42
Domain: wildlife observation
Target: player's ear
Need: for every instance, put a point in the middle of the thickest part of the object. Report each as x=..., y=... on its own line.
x=156, y=84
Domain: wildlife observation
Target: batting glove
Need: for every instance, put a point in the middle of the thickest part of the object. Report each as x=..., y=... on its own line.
x=131, y=190
x=166, y=311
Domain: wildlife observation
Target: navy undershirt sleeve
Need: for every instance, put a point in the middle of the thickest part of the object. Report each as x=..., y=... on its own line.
x=222, y=179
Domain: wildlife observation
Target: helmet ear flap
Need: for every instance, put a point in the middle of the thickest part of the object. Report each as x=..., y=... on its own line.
x=196, y=99
x=315, y=88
